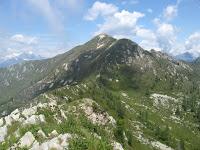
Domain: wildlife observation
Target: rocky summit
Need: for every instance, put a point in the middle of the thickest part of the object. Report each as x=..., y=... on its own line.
x=107, y=94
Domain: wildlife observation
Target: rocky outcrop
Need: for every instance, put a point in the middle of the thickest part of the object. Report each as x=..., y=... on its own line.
x=60, y=142
x=3, y=133
x=27, y=140
x=96, y=117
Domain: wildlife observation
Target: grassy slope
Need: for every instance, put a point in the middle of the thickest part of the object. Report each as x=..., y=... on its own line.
x=134, y=113
x=137, y=110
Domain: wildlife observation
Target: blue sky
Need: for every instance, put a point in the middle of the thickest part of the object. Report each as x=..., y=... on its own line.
x=50, y=27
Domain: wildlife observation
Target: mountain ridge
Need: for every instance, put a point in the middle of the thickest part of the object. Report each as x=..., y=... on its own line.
x=18, y=58
x=104, y=94
x=67, y=69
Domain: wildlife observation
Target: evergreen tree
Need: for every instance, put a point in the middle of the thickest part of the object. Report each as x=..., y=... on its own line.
x=177, y=112
x=181, y=145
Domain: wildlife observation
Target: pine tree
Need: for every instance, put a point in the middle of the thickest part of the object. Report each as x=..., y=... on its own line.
x=181, y=145
x=177, y=112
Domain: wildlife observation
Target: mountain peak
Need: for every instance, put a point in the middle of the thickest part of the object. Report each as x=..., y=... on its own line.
x=102, y=35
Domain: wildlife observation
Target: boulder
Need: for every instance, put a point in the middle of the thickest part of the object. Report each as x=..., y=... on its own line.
x=60, y=142
x=1, y=122
x=27, y=140
x=3, y=133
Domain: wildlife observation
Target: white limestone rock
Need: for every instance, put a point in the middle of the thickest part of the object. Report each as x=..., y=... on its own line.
x=160, y=146
x=100, y=118
x=60, y=142
x=29, y=111
x=42, y=105
x=124, y=94
x=62, y=112
x=17, y=133
x=53, y=133
x=35, y=119
x=27, y=140
x=35, y=146
x=3, y=133
x=65, y=65
x=1, y=122
x=41, y=133
x=117, y=146
x=112, y=120
x=160, y=100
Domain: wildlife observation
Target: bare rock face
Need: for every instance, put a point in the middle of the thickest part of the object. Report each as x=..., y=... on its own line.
x=27, y=140
x=1, y=122
x=60, y=142
x=162, y=100
x=41, y=133
x=29, y=112
x=34, y=119
x=161, y=146
x=53, y=133
x=3, y=133
x=100, y=118
x=117, y=146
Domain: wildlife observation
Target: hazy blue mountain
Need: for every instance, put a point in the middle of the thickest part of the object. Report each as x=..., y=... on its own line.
x=188, y=57
x=11, y=60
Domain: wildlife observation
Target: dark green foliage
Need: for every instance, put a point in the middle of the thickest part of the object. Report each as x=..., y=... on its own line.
x=129, y=135
x=78, y=144
x=89, y=144
x=178, y=112
x=162, y=134
x=198, y=114
x=181, y=145
x=143, y=116
x=96, y=108
x=120, y=110
x=119, y=131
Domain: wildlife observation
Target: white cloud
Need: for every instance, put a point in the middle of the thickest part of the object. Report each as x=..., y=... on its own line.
x=43, y=45
x=117, y=23
x=19, y=38
x=120, y=24
x=170, y=12
x=100, y=9
x=124, y=24
x=192, y=44
x=45, y=8
x=166, y=35
x=163, y=38
x=165, y=29
x=148, y=39
x=130, y=2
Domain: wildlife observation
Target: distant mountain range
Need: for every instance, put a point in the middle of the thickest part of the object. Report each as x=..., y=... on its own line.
x=26, y=56
x=189, y=57
x=18, y=58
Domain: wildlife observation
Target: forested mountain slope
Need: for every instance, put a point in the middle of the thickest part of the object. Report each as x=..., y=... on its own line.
x=104, y=94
